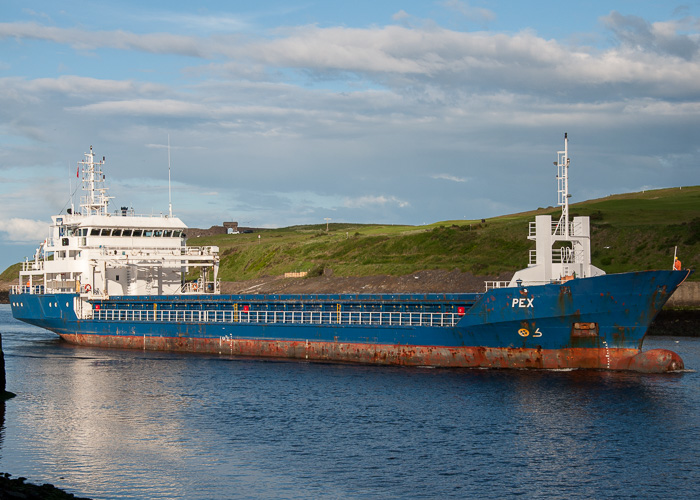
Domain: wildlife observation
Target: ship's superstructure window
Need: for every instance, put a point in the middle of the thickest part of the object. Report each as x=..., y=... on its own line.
x=147, y=233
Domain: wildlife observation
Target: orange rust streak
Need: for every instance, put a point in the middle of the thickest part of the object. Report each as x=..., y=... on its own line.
x=451, y=357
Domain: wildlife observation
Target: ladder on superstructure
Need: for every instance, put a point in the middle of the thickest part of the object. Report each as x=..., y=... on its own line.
x=563, y=195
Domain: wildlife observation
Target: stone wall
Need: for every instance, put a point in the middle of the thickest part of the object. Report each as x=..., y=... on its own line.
x=687, y=295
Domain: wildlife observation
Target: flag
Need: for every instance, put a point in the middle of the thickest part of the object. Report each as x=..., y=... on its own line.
x=77, y=172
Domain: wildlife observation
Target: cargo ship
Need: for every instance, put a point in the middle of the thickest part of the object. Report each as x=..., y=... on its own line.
x=122, y=280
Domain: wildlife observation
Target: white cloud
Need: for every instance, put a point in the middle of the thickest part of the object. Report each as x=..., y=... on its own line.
x=24, y=230
x=157, y=107
x=659, y=55
x=82, y=39
x=666, y=38
x=370, y=200
x=478, y=14
x=448, y=177
x=204, y=23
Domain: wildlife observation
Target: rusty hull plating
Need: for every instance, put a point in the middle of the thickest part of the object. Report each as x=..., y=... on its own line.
x=653, y=361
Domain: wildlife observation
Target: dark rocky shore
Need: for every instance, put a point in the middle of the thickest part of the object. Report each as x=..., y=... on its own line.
x=17, y=488
x=681, y=322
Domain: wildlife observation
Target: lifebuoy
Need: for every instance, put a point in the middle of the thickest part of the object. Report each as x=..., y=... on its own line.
x=194, y=286
x=88, y=287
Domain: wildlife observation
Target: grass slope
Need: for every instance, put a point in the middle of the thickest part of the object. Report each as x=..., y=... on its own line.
x=629, y=232
x=634, y=231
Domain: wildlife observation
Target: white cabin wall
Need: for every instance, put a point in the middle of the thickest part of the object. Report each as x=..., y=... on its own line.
x=116, y=281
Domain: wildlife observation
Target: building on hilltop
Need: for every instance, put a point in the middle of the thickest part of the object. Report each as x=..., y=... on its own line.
x=226, y=228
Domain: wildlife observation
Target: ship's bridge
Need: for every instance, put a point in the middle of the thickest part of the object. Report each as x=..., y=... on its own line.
x=97, y=253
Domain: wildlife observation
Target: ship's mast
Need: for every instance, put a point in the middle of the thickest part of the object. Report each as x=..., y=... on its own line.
x=170, y=199
x=563, y=186
x=95, y=200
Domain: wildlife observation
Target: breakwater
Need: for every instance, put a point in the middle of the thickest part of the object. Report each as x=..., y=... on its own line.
x=687, y=295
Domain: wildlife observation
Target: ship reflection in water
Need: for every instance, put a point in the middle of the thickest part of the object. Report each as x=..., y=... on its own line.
x=132, y=424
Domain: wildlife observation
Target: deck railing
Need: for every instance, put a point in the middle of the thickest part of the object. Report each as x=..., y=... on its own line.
x=490, y=285
x=32, y=265
x=284, y=317
x=35, y=290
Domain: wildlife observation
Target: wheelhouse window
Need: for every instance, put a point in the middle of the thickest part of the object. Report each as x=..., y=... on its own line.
x=167, y=233
x=105, y=232
x=127, y=232
x=137, y=232
x=148, y=233
x=116, y=232
x=94, y=232
x=158, y=233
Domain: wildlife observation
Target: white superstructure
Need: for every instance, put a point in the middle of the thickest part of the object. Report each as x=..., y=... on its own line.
x=97, y=253
x=563, y=248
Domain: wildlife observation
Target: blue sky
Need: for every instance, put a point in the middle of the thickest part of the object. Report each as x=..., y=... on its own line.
x=283, y=113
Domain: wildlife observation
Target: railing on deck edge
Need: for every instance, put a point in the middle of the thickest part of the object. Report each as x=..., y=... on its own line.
x=288, y=317
x=557, y=229
x=490, y=285
x=35, y=290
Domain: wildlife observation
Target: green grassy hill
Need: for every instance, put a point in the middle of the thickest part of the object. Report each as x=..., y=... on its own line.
x=10, y=273
x=630, y=232
x=635, y=231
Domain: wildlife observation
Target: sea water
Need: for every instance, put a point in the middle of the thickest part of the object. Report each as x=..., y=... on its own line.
x=109, y=423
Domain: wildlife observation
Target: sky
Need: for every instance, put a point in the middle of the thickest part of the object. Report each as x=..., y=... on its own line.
x=397, y=112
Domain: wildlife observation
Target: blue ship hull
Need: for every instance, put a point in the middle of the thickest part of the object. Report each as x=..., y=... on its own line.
x=596, y=322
